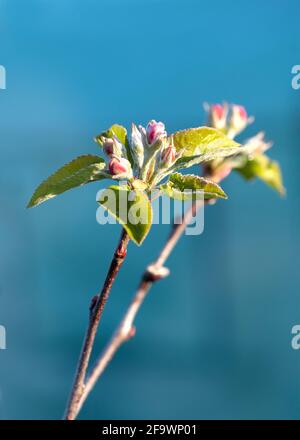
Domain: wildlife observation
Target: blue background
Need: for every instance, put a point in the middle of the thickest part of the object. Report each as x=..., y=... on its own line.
x=214, y=339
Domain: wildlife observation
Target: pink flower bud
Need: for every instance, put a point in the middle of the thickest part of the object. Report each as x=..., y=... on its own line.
x=242, y=112
x=168, y=156
x=218, y=115
x=112, y=146
x=218, y=110
x=155, y=130
x=239, y=118
x=108, y=146
x=119, y=166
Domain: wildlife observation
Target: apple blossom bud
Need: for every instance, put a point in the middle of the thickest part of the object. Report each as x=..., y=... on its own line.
x=239, y=118
x=218, y=115
x=112, y=146
x=257, y=145
x=168, y=156
x=120, y=167
x=137, y=146
x=155, y=131
x=108, y=146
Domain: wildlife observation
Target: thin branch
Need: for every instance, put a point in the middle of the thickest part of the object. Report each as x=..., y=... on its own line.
x=96, y=311
x=126, y=329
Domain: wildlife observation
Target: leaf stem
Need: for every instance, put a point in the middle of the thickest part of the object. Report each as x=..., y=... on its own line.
x=96, y=311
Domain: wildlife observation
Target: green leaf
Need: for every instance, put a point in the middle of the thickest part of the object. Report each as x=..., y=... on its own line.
x=188, y=161
x=264, y=168
x=117, y=130
x=131, y=208
x=201, y=140
x=191, y=187
x=121, y=133
x=82, y=170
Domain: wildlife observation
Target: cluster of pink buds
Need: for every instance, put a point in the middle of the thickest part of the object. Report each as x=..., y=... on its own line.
x=150, y=151
x=119, y=167
x=145, y=145
x=232, y=119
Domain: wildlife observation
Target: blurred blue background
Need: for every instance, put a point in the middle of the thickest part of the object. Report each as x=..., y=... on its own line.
x=214, y=339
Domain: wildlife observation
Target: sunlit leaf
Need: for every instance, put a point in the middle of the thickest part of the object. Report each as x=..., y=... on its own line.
x=264, y=168
x=82, y=170
x=131, y=208
x=201, y=140
x=191, y=187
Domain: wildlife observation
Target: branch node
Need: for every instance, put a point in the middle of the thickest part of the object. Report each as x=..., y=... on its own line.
x=93, y=303
x=131, y=333
x=121, y=252
x=154, y=273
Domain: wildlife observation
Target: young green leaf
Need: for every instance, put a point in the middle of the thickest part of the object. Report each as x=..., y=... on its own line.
x=115, y=130
x=201, y=140
x=188, y=161
x=120, y=132
x=131, y=208
x=191, y=187
x=82, y=170
x=264, y=168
